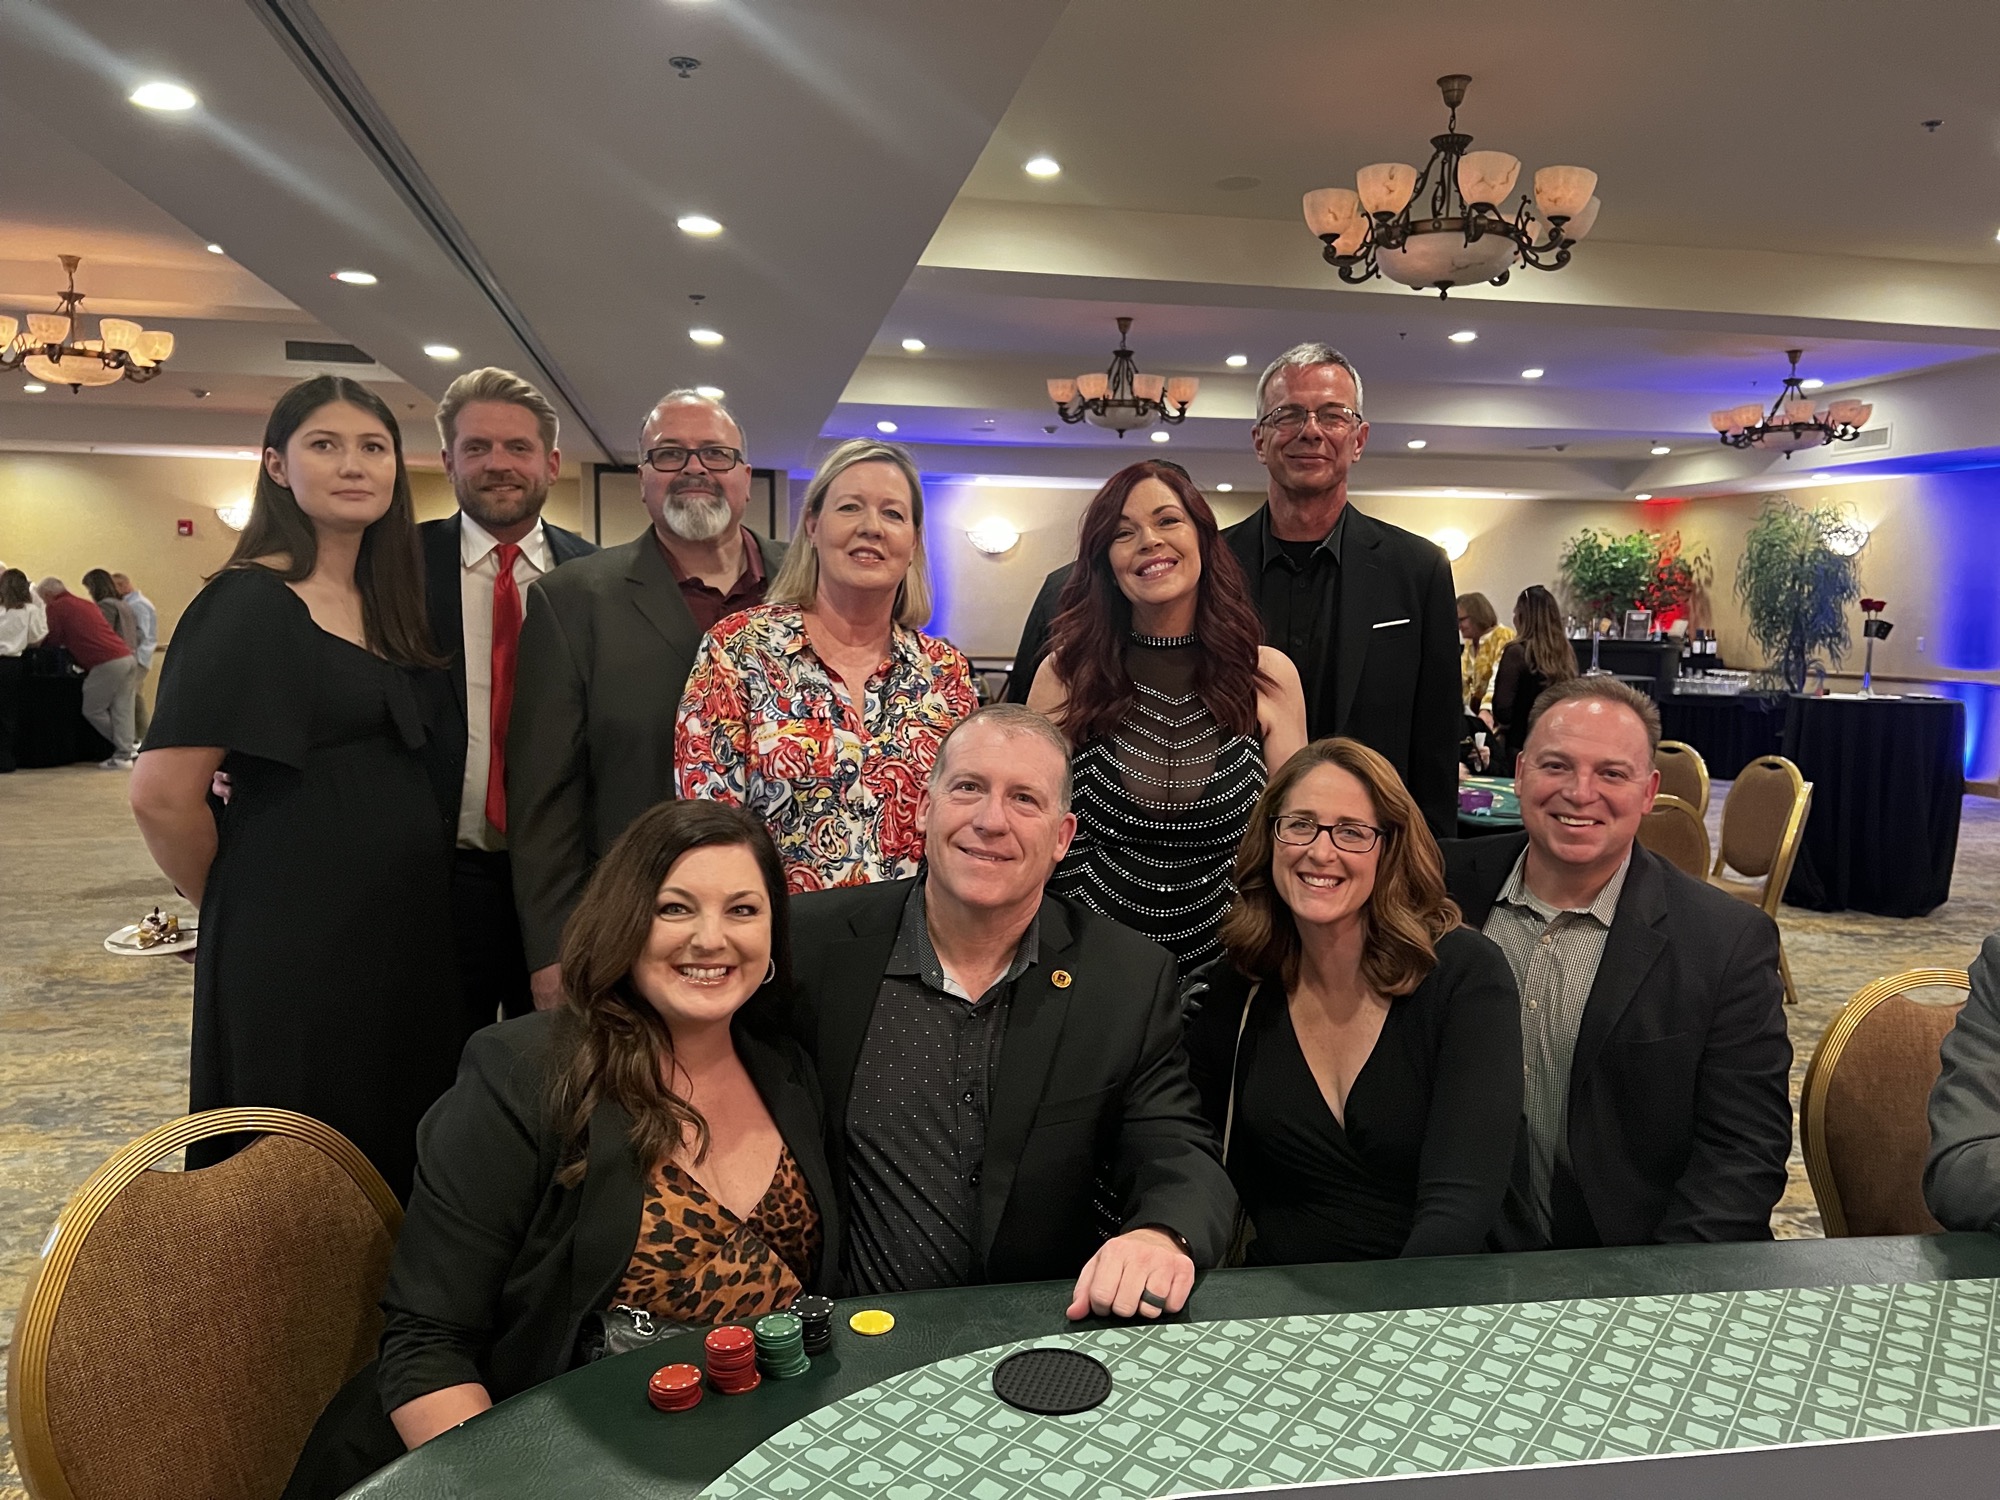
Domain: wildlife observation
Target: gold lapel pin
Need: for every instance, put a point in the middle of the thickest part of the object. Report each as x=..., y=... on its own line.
x=1060, y=979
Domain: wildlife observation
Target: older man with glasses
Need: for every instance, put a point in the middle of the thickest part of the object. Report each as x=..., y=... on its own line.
x=605, y=652
x=1365, y=610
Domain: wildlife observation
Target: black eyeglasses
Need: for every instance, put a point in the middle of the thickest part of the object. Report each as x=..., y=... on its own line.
x=1300, y=829
x=715, y=458
x=1287, y=422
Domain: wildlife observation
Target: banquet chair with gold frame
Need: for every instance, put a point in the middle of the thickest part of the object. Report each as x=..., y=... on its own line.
x=1864, y=1125
x=1763, y=818
x=184, y=1330
x=1683, y=774
x=1674, y=831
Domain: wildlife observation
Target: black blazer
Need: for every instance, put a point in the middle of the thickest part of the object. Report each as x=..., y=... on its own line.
x=1679, y=1117
x=1394, y=683
x=1092, y=1079
x=606, y=649
x=445, y=604
x=498, y=1264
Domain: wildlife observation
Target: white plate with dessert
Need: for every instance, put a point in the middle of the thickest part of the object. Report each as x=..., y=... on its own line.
x=159, y=932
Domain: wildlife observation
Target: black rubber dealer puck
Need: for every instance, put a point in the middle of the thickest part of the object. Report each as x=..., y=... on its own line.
x=1051, y=1382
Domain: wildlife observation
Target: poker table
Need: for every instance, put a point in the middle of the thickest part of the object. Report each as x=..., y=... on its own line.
x=1861, y=1356
x=1487, y=805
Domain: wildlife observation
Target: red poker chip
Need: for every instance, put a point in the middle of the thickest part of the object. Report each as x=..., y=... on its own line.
x=675, y=1402
x=729, y=1338
x=749, y=1382
x=675, y=1378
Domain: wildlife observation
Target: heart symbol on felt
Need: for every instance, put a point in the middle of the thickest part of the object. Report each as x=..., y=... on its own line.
x=1501, y=1448
x=1636, y=1437
x=1064, y=1481
x=1395, y=1411
x=1265, y=1422
x=1430, y=1369
x=1219, y=1349
x=1768, y=1427
x=893, y=1412
x=1124, y=1434
x=1215, y=1470
x=1653, y=1390
x=957, y=1369
x=829, y=1458
x=1356, y=1458
x=1170, y=1390
x=915, y=1490
x=978, y=1444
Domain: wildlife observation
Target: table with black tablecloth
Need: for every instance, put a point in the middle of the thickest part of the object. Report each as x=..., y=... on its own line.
x=1322, y=1372
x=52, y=730
x=1888, y=777
x=1728, y=730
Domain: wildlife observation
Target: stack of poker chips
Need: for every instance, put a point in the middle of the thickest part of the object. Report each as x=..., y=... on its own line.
x=732, y=1359
x=781, y=1350
x=815, y=1316
x=674, y=1388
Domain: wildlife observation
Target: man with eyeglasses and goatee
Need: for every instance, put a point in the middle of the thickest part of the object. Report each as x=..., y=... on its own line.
x=1366, y=611
x=605, y=653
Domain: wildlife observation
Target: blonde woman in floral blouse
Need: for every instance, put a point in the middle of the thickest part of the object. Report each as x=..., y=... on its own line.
x=821, y=710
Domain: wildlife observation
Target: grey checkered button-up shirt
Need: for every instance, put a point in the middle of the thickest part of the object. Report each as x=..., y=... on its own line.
x=1554, y=955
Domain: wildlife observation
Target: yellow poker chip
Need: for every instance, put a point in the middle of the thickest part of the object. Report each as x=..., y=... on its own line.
x=873, y=1321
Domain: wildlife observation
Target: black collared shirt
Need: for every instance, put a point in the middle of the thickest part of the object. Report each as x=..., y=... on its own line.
x=916, y=1121
x=1297, y=588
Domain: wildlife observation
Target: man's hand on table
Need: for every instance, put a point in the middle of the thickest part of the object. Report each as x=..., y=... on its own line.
x=1140, y=1261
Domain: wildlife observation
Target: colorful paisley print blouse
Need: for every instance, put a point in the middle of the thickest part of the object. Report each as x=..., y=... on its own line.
x=762, y=725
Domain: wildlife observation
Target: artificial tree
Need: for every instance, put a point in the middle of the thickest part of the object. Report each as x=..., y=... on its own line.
x=1605, y=574
x=1795, y=580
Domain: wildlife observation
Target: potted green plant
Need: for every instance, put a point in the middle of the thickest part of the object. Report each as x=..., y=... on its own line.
x=1605, y=574
x=1798, y=574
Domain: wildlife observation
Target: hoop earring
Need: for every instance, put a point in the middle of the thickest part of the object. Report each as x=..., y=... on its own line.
x=772, y=972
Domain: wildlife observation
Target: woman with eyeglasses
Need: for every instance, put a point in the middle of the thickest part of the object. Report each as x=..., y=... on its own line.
x=1157, y=676
x=1358, y=1049
x=822, y=709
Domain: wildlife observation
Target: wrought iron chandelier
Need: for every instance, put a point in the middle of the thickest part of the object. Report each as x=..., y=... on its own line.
x=1121, y=398
x=1791, y=423
x=1384, y=226
x=49, y=349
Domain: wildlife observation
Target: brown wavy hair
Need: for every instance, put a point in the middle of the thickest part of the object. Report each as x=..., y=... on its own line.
x=387, y=571
x=1408, y=911
x=614, y=1045
x=1093, y=617
x=1538, y=626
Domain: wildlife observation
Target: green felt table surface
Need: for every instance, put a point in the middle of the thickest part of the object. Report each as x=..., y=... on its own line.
x=1504, y=816
x=592, y=1433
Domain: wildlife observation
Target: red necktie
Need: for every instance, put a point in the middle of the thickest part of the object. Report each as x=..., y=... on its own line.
x=506, y=644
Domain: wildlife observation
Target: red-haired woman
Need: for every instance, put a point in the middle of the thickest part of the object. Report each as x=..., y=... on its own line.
x=1156, y=675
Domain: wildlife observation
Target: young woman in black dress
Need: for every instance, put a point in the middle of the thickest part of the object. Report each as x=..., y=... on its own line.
x=1538, y=657
x=325, y=980
x=1156, y=676
x=1358, y=1050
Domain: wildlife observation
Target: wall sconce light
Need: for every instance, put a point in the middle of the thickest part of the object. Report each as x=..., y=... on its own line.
x=235, y=515
x=1453, y=541
x=993, y=536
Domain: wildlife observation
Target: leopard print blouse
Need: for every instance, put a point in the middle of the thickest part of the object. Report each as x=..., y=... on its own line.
x=697, y=1263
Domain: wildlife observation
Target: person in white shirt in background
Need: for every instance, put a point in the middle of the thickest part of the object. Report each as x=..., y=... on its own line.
x=22, y=624
x=147, y=618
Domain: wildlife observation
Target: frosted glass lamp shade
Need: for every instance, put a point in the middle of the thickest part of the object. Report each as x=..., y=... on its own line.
x=1428, y=260
x=1182, y=388
x=1580, y=227
x=1062, y=392
x=45, y=369
x=1861, y=416
x=156, y=345
x=1350, y=240
x=1092, y=387
x=1749, y=415
x=1799, y=409
x=8, y=326
x=1488, y=176
x=1724, y=420
x=47, y=328
x=119, y=333
x=1386, y=186
x=1149, y=387
x=1331, y=210
x=1562, y=192
x=1849, y=413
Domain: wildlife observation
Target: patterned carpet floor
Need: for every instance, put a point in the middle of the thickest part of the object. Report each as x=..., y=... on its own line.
x=93, y=1048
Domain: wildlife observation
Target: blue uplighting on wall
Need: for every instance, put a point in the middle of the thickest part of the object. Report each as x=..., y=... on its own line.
x=1966, y=508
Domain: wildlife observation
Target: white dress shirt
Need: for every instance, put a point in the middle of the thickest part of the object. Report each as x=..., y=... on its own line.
x=21, y=628
x=478, y=566
x=147, y=618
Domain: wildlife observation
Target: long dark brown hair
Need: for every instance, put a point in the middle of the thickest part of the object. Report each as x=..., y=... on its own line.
x=387, y=571
x=14, y=590
x=98, y=581
x=1093, y=617
x=1408, y=911
x=1538, y=625
x=615, y=1047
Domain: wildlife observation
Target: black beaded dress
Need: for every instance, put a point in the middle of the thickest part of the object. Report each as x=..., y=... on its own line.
x=1161, y=803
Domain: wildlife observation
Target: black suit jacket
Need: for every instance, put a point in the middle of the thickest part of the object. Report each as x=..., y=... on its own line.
x=444, y=601
x=1392, y=682
x=1679, y=1117
x=1092, y=1080
x=606, y=649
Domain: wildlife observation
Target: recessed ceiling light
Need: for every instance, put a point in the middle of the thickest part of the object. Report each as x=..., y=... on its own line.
x=708, y=338
x=1535, y=372
x=885, y=425
x=1642, y=495
x=1237, y=361
x=1162, y=437
x=1042, y=166
x=1225, y=488
x=700, y=225
x=1659, y=449
x=355, y=278
x=710, y=392
x=441, y=351
x=1463, y=336
x=1812, y=384
x=913, y=346
x=34, y=388
x=215, y=250
x=1416, y=443
x=160, y=94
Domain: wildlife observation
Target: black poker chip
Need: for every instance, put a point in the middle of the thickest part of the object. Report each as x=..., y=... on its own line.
x=1051, y=1382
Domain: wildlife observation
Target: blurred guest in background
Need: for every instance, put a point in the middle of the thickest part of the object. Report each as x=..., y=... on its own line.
x=147, y=618
x=1483, y=637
x=325, y=981
x=1537, y=658
x=110, y=671
x=651, y=1147
x=22, y=624
x=114, y=609
x=1358, y=1049
x=605, y=652
x=821, y=710
x=1155, y=675
x=499, y=436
